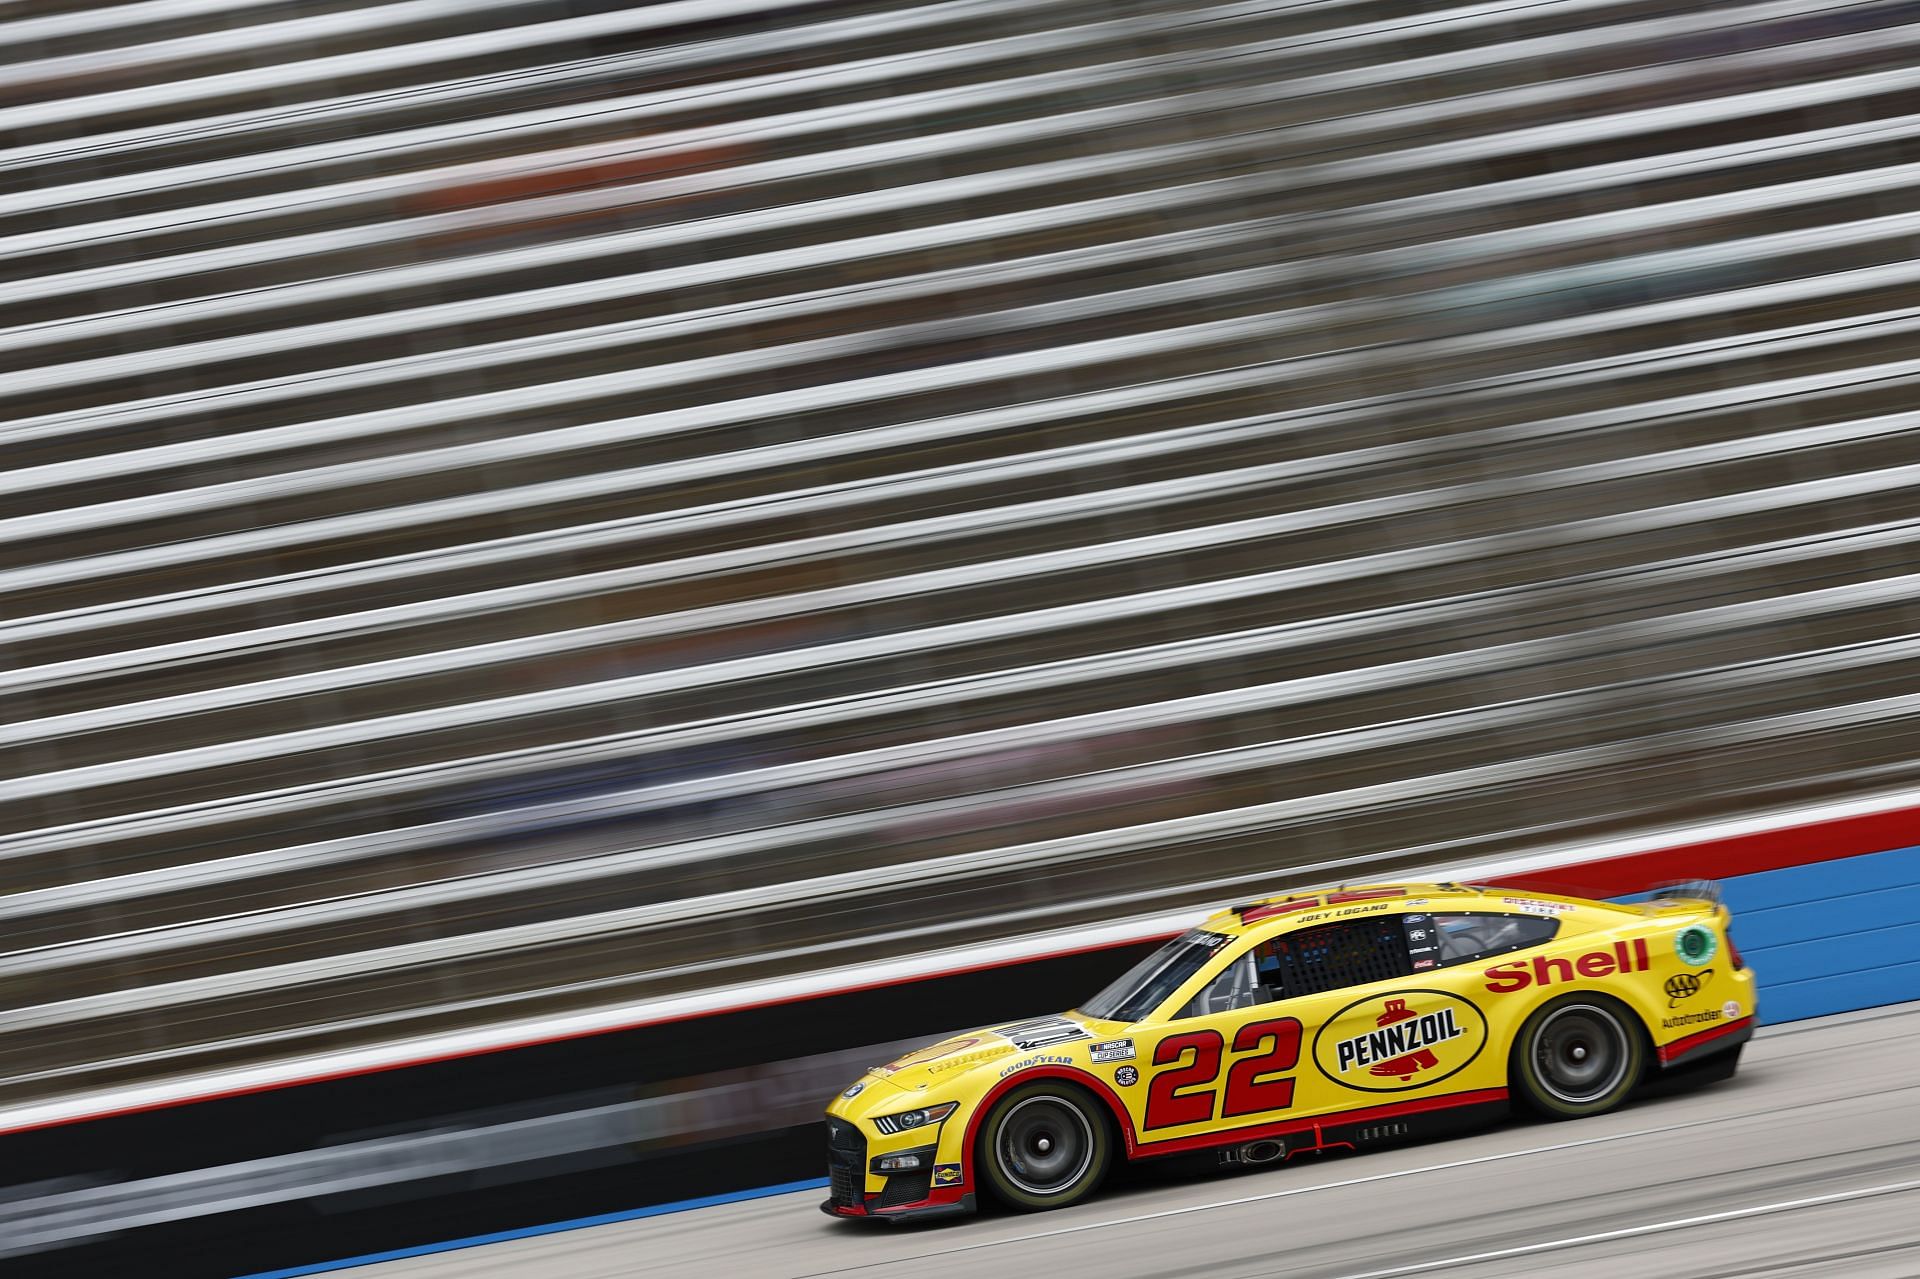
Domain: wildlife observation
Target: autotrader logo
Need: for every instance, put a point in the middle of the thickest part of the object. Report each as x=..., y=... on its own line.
x=1683, y=986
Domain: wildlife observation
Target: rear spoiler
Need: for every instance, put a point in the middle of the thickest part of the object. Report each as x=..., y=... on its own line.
x=1697, y=889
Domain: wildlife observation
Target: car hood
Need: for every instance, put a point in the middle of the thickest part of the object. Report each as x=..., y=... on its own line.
x=939, y=1063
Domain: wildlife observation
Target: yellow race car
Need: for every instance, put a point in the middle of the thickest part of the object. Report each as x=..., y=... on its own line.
x=1325, y=1021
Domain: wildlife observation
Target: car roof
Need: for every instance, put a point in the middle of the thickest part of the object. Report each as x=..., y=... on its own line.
x=1359, y=900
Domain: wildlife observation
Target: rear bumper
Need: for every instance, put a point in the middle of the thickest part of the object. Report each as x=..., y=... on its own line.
x=1707, y=1043
x=922, y=1211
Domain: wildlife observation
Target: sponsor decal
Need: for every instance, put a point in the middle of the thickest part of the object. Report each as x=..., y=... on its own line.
x=1423, y=941
x=853, y=1092
x=1403, y=1044
x=1551, y=970
x=1112, y=1050
x=1683, y=986
x=1732, y=1009
x=1365, y=908
x=921, y=1056
x=946, y=1174
x=1696, y=945
x=1042, y=1032
x=1364, y=895
x=1537, y=906
x=963, y=1061
x=1691, y=1019
x=1267, y=910
x=1126, y=1076
x=1038, y=1059
x=1400, y=1042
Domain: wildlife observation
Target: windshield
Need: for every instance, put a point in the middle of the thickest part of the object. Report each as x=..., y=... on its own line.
x=1146, y=985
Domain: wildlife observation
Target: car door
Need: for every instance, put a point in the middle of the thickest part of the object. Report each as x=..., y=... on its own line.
x=1418, y=1034
x=1240, y=1052
x=1431, y=1033
x=1325, y=1018
x=1223, y=1058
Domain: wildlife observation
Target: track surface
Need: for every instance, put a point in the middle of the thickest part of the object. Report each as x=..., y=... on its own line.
x=1805, y=1164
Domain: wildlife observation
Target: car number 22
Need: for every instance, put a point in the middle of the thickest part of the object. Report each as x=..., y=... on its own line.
x=1185, y=1093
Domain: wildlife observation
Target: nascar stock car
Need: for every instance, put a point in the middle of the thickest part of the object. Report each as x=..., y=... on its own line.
x=1328, y=1021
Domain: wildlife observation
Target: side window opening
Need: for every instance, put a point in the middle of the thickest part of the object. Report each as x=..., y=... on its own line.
x=1440, y=941
x=1350, y=953
x=1306, y=962
x=1238, y=987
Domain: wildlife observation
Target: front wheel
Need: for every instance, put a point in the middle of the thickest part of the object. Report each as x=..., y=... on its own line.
x=1043, y=1146
x=1579, y=1055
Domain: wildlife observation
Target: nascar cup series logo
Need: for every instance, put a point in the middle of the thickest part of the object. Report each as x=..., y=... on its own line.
x=1395, y=1043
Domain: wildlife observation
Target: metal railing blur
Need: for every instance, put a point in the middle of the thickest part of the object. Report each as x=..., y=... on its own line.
x=518, y=507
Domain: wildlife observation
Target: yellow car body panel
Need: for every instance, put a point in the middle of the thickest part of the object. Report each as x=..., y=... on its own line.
x=1338, y=1068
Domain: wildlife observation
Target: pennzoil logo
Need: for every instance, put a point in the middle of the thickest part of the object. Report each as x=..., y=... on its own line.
x=1397, y=1043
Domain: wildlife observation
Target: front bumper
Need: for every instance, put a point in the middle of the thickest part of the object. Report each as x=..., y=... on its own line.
x=904, y=1195
x=938, y=1206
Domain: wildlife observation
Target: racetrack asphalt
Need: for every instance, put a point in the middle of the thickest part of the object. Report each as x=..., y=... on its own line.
x=1805, y=1164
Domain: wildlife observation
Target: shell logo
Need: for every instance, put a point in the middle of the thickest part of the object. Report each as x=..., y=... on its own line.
x=1402, y=1042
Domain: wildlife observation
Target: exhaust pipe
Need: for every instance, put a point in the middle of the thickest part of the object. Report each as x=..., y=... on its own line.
x=1261, y=1152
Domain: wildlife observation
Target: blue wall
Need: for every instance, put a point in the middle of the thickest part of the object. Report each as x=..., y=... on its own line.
x=1833, y=936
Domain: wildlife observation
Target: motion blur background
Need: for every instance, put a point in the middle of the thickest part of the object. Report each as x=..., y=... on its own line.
x=515, y=508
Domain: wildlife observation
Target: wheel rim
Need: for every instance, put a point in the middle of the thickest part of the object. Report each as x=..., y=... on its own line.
x=1044, y=1145
x=1581, y=1054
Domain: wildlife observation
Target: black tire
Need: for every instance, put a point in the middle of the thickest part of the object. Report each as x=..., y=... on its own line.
x=1576, y=1056
x=1044, y=1145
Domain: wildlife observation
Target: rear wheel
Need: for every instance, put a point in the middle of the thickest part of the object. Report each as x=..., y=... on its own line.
x=1579, y=1055
x=1044, y=1146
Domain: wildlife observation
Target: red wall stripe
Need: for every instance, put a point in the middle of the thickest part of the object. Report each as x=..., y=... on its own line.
x=1750, y=854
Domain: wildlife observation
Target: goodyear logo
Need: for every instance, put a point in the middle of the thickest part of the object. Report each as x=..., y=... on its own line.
x=1396, y=1043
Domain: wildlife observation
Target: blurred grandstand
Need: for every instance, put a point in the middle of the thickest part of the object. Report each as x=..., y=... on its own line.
x=527, y=506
